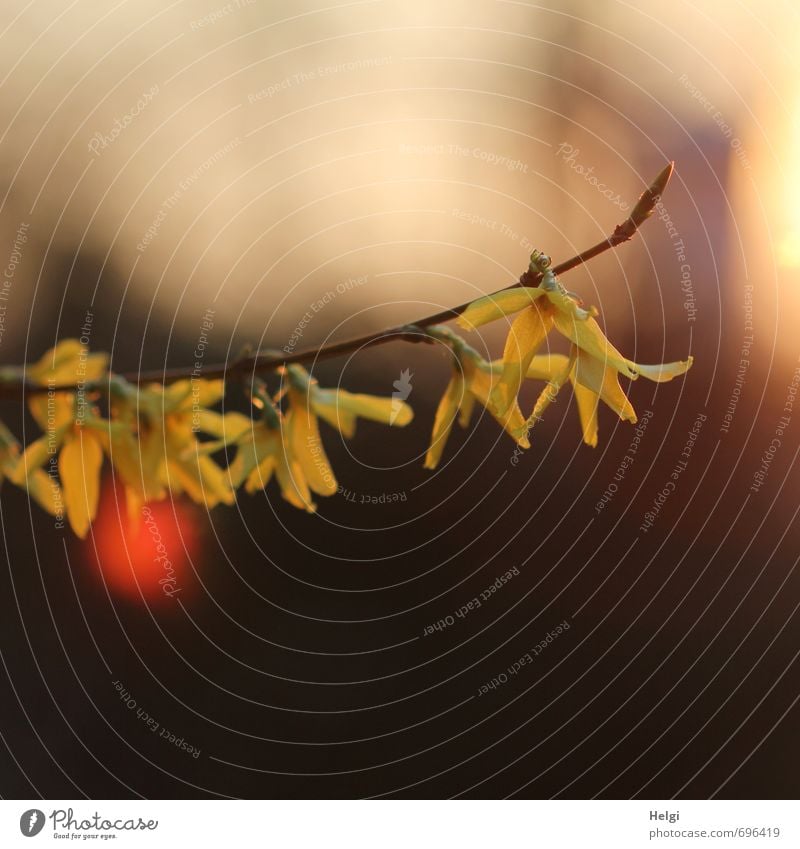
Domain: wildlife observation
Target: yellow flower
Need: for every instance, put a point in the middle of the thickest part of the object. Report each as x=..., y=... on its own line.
x=157, y=450
x=592, y=383
x=9, y=451
x=540, y=309
x=290, y=446
x=263, y=449
x=68, y=364
x=43, y=488
x=473, y=379
x=77, y=437
x=340, y=408
x=72, y=431
x=302, y=432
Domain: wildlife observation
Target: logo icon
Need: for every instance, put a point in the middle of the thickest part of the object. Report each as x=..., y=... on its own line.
x=31, y=822
x=401, y=393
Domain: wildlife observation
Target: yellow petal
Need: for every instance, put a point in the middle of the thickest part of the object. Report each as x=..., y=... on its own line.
x=174, y=396
x=306, y=447
x=492, y=307
x=35, y=456
x=79, y=465
x=554, y=384
x=194, y=393
x=45, y=491
x=528, y=332
x=567, y=305
x=139, y=462
x=371, y=407
x=260, y=476
x=603, y=380
x=201, y=479
x=254, y=450
x=402, y=414
x=467, y=408
x=443, y=421
x=663, y=372
x=480, y=382
x=588, y=336
x=329, y=405
x=229, y=426
x=376, y=408
x=8, y=442
x=546, y=366
x=181, y=397
x=215, y=482
x=340, y=409
x=68, y=363
x=294, y=487
x=587, y=403
x=206, y=448
x=52, y=411
x=65, y=354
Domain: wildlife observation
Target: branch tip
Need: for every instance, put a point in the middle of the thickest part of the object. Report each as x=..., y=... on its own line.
x=651, y=196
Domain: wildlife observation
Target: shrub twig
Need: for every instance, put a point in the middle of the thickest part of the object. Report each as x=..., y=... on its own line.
x=411, y=332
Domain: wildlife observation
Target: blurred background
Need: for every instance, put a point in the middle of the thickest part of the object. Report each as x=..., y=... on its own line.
x=294, y=174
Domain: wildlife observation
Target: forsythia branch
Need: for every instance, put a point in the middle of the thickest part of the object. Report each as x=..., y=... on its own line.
x=151, y=435
x=13, y=383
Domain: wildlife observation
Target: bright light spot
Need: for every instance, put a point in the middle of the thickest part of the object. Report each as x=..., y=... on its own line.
x=789, y=250
x=789, y=247
x=152, y=562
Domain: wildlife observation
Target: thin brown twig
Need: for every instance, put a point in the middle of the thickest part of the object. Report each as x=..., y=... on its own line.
x=410, y=332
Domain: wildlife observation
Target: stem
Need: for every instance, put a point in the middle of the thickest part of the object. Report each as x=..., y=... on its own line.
x=407, y=332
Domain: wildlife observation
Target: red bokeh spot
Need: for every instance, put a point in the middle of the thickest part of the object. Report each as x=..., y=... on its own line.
x=152, y=562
